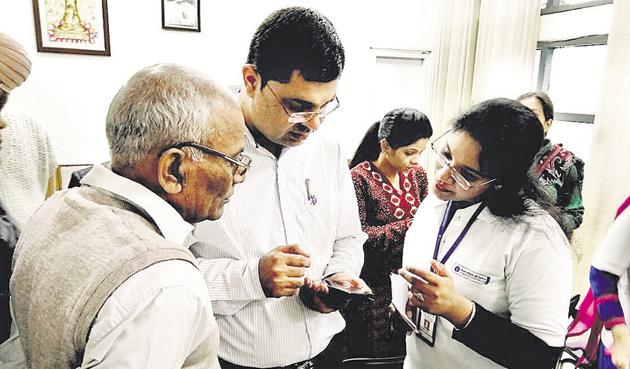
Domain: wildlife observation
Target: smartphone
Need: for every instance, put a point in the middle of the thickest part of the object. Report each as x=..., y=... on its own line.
x=347, y=291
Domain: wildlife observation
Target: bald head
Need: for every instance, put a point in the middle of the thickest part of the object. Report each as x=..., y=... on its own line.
x=164, y=105
x=15, y=65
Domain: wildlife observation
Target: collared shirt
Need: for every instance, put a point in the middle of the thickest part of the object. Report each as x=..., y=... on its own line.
x=304, y=197
x=158, y=316
x=518, y=269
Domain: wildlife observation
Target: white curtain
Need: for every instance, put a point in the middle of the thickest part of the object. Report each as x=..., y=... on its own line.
x=483, y=49
x=607, y=177
x=506, y=48
x=452, y=61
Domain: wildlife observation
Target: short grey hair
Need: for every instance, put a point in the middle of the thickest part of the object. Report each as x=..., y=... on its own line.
x=160, y=106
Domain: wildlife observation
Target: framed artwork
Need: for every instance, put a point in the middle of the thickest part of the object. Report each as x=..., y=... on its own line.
x=72, y=26
x=183, y=15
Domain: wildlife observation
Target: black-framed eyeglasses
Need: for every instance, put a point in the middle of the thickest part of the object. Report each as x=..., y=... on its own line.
x=459, y=178
x=240, y=163
x=305, y=116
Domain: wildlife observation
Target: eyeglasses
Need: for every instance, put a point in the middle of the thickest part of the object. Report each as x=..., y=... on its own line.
x=305, y=116
x=240, y=163
x=459, y=178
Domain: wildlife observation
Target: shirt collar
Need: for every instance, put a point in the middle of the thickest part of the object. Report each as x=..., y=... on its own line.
x=170, y=223
x=251, y=140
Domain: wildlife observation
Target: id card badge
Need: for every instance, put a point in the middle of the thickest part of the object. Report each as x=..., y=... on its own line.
x=427, y=327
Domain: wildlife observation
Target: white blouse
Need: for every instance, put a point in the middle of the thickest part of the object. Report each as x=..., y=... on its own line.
x=519, y=270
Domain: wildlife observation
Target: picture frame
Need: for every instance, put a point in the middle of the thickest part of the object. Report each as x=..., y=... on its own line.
x=72, y=26
x=181, y=15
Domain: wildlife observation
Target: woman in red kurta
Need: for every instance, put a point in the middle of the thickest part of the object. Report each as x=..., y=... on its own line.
x=390, y=186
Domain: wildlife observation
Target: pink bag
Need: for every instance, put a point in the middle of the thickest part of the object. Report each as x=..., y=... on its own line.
x=583, y=337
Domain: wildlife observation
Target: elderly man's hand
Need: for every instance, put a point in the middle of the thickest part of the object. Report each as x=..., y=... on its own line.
x=281, y=271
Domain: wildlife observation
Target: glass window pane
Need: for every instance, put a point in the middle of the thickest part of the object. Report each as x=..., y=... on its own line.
x=566, y=2
x=575, y=137
x=576, y=78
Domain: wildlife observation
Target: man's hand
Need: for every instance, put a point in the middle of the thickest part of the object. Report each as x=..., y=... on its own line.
x=350, y=281
x=281, y=270
x=316, y=294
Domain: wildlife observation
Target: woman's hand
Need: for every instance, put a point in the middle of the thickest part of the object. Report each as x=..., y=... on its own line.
x=620, y=350
x=435, y=293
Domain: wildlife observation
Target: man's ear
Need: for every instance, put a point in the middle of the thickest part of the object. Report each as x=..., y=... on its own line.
x=251, y=79
x=548, y=124
x=170, y=175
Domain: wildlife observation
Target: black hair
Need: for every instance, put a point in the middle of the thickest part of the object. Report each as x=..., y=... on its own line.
x=299, y=39
x=510, y=135
x=399, y=127
x=544, y=100
x=4, y=97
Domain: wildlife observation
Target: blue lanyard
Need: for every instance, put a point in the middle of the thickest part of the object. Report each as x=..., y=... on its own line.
x=444, y=224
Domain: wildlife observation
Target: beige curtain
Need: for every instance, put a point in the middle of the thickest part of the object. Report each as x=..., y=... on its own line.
x=452, y=60
x=483, y=49
x=506, y=48
x=607, y=177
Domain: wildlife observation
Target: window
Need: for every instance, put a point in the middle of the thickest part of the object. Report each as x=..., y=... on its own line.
x=557, y=6
x=571, y=59
x=571, y=72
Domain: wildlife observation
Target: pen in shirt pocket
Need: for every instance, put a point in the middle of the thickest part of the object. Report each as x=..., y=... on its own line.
x=310, y=197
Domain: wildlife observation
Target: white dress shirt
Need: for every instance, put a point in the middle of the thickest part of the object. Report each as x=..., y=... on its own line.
x=304, y=197
x=519, y=270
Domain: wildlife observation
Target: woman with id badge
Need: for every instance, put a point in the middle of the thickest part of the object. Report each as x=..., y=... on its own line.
x=488, y=265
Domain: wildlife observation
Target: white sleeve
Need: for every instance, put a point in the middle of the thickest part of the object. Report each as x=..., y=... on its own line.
x=539, y=288
x=613, y=254
x=348, y=247
x=232, y=284
x=151, y=321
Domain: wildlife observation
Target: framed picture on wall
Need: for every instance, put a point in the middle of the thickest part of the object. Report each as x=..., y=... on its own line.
x=72, y=26
x=183, y=15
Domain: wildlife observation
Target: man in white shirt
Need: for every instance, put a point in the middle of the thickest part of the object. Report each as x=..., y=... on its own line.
x=102, y=273
x=295, y=221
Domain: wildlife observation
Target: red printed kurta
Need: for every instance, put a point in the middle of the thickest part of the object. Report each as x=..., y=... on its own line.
x=386, y=214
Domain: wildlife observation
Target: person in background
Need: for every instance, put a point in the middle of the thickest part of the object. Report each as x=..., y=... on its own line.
x=390, y=185
x=295, y=221
x=488, y=264
x=560, y=171
x=102, y=274
x=609, y=282
x=27, y=163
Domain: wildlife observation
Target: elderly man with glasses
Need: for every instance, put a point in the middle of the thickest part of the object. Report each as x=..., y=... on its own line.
x=295, y=222
x=102, y=273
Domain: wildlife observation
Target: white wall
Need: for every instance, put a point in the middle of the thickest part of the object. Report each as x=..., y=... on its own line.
x=70, y=94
